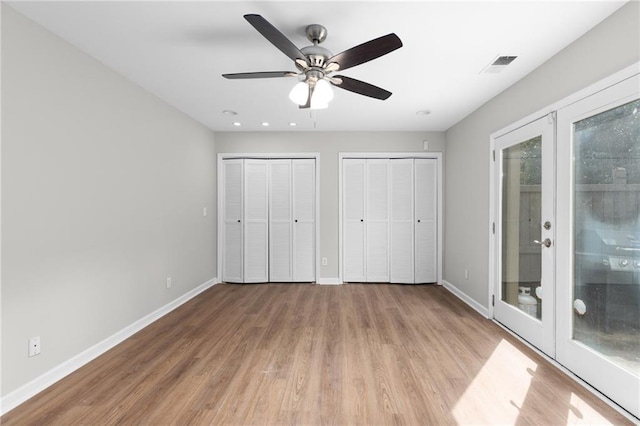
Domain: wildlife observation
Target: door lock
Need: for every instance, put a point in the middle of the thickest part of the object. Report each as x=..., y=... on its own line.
x=547, y=225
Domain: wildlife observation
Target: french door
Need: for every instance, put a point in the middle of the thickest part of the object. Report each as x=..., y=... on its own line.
x=568, y=275
x=598, y=305
x=525, y=229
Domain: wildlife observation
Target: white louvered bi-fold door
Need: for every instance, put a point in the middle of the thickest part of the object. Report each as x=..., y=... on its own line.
x=425, y=220
x=280, y=221
x=232, y=252
x=377, y=220
x=402, y=221
x=353, y=211
x=303, y=253
x=413, y=220
x=365, y=203
x=256, y=221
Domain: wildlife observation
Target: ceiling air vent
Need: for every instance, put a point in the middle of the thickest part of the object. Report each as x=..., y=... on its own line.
x=498, y=64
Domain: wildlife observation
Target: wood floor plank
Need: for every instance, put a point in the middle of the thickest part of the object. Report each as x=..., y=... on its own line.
x=301, y=354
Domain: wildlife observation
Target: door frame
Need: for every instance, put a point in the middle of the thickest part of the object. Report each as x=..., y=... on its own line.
x=440, y=185
x=264, y=156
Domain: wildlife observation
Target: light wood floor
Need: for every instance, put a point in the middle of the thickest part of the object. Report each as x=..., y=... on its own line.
x=307, y=354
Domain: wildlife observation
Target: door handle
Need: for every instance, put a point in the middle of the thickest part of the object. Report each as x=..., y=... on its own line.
x=546, y=242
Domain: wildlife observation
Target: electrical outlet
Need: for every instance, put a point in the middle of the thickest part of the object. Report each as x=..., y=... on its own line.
x=168, y=282
x=466, y=274
x=204, y=211
x=425, y=145
x=324, y=261
x=34, y=346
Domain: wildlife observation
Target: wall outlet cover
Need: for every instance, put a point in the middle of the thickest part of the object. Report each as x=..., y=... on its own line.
x=34, y=346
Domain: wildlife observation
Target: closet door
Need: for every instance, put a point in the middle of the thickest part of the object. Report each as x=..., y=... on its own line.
x=425, y=220
x=353, y=185
x=377, y=220
x=280, y=221
x=402, y=222
x=303, y=253
x=232, y=252
x=256, y=236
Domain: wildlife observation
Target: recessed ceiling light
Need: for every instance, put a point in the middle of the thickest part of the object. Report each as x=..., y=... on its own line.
x=229, y=112
x=265, y=124
x=423, y=112
x=237, y=123
x=292, y=124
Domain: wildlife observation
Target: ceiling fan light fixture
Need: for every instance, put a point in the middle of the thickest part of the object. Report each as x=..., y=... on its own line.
x=300, y=93
x=322, y=93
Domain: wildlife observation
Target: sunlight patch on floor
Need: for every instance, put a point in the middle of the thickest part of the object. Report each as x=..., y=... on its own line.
x=580, y=412
x=498, y=390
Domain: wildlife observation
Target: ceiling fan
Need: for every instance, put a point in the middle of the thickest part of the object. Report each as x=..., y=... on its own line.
x=316, y=64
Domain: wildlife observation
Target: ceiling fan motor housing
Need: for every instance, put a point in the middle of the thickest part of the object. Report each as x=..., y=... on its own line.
x=316, y=55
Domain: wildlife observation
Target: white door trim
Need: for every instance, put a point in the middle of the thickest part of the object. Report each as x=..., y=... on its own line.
x=366, y=155
x=279, y=155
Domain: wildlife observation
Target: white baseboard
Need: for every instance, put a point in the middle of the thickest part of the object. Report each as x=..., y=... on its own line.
x=466, y=299
x=329, y=281
x=23, y=393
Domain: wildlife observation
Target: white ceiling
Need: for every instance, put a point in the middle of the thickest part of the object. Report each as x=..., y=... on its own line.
x=178, y=51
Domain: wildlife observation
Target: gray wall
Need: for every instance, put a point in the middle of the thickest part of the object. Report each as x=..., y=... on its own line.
x=328, y=144
x=103, y=187
x=609, y=47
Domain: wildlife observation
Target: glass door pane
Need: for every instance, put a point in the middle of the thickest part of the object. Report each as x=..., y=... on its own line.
x=521, y=218
x=607, y=234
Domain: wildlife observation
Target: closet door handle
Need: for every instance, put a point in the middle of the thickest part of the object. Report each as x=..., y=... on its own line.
x=361, y=220
x=238, y=220
x=418, y=220
x=296, y=221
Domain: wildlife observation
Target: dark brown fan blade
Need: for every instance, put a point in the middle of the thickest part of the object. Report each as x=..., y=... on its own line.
x=276, y=38
x=361, y=88
x=367, y=51
x=265, y=74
